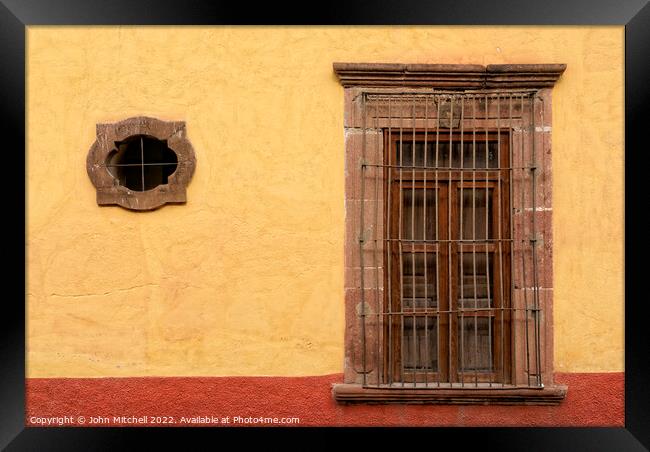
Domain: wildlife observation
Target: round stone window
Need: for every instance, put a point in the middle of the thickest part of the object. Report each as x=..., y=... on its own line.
x=141, y=163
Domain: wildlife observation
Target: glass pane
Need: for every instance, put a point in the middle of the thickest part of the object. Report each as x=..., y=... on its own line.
x=475, y=290
x=475, y=212
x=474, y=154
x=420, y=348
x=474, y=348
x=409, y=158
x=418, y=218
x=419, y=283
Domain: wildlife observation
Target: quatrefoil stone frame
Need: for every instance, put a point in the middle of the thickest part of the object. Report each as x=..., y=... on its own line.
x=110, y=192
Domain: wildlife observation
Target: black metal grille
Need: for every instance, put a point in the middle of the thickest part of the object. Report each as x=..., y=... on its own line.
x=141, y=162
x=450, y=293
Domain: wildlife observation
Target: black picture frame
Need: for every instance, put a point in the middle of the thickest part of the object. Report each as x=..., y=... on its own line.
x=15, y=15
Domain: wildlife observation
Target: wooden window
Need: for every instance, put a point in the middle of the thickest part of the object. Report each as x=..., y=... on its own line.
x=448, y=283
x=449, y=247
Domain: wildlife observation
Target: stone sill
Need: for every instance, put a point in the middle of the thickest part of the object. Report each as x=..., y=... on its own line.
x=354, y=393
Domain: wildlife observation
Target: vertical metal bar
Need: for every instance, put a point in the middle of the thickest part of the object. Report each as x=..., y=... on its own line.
x=414, y=355
x=501, y=292
x=438, y=246
x=389, y=244
x=401, y=263
x=487, y=237
x=449, y=249
x=474, y=240
x=361, y=240
x=374, y=253
x=424, y=236
x=544, y=175
x=142, y=160
x=534, y=245
x=460, y=254
x=523, y=243
x=513, y=305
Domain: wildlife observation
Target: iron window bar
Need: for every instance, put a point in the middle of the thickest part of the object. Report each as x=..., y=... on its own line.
x=383, y=331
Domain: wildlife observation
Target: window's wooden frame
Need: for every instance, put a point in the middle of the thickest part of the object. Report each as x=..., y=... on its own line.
x=447, y=184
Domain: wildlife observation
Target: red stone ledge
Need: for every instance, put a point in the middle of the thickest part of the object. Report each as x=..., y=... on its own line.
x=593, y=399
x=452, y=76
x=352, y=393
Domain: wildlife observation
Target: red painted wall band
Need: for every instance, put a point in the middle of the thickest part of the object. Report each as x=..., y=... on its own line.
x=593, y=399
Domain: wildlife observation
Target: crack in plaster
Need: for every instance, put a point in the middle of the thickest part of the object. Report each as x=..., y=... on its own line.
x=110, y=292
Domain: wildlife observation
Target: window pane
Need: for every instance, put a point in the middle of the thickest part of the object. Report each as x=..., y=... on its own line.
x=419, y=283
x=409, y=158
x=474, y=349
x=475, y=290
x=420, y=348
x=474, y=154
x=418, y=218
x=475, y=212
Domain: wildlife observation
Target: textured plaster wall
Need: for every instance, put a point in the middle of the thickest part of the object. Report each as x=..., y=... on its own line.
x=247, y=277
x=594, y=399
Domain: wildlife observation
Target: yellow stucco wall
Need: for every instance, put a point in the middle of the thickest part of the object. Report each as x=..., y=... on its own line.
x=247, y=277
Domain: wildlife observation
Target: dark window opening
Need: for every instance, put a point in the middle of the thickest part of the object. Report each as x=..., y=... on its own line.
x=141, y=162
